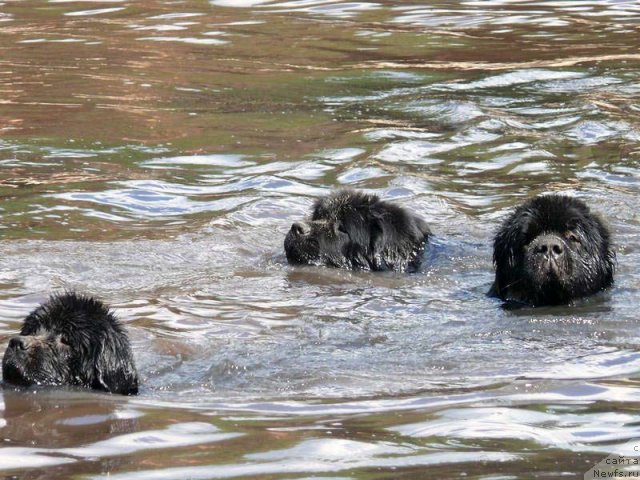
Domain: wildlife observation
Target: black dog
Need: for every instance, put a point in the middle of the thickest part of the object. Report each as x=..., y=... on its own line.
x=350, y=229
x=551, y=250
x=71, y=340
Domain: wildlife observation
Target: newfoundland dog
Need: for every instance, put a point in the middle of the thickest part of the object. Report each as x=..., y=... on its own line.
x=71, y=340
x=550, y=251
x=356, y=230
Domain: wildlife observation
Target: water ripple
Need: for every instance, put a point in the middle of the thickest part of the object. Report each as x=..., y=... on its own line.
x=162, y=176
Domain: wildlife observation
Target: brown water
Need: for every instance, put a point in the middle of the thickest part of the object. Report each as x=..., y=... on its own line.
x=155, y=153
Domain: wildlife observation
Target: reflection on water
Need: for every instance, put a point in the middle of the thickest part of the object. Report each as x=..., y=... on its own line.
x=155, y=154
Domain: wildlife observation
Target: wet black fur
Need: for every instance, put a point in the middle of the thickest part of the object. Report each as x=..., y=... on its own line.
x=355, y=230
x=71, y=340
x=524, y=275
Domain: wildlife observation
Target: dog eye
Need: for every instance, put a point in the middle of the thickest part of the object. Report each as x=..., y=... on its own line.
x=573, y=238
x=64, y=341
x=342, y=229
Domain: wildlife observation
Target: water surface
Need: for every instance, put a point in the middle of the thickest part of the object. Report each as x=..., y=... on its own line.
x=155, y=154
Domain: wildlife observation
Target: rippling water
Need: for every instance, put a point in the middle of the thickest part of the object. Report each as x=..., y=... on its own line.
x=156, y=153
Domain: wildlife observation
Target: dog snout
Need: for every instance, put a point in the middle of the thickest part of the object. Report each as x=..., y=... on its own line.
x=549, y=245
x=18, y=343
x=300, y=229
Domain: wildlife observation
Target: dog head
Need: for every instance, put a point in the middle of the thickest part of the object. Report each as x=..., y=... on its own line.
x=71, y=340
x=551, y=250
x=355, y=230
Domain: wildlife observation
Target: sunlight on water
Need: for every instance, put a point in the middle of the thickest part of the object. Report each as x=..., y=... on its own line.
x=156, y=155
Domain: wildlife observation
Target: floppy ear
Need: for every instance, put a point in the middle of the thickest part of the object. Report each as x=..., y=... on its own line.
x=504, y=261
x=114, y=370
x=507, y=252
x=377, y=244
x=396, y=240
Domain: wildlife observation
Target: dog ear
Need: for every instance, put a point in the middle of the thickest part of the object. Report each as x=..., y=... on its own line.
x=396, y=240
x=377, y=244
x=114, y=370
x=504, y=261
x=507, y=253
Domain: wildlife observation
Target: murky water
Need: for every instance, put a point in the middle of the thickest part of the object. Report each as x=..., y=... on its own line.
x=155, y=153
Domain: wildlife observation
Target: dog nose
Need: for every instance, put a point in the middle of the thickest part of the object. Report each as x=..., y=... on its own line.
x=300, y=228
x=17, y=343
x=549, y=245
